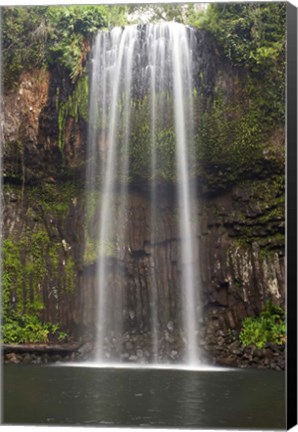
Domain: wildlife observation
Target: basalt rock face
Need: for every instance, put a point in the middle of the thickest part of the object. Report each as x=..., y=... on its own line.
x=42, y=230
x=243, y=257
x=22, y=108
x=238, y=277
x=241, y=265
x=35, y=149
x=48, y=227
x=43, y=167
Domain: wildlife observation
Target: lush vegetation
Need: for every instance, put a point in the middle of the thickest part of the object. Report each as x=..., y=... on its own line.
x=28, y=264
x=268, y=327
x=24, y=39
x=251, y=34
x=37, y=267
x=52, y=35
x=253, y=37
x=241, y=119
x=28, y=328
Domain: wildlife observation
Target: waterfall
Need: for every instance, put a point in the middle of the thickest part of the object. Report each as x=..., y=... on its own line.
x=183, y=109
x=151, y=63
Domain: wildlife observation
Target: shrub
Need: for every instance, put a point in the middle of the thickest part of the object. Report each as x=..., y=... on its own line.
x=269, y=326
x=28, y=328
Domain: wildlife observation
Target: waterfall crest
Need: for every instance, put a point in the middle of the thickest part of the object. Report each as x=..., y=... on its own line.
x=130, y=65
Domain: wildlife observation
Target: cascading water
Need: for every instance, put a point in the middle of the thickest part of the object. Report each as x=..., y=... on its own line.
x=152, y=62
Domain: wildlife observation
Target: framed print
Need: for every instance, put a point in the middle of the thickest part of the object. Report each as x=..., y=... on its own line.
x=149, y=221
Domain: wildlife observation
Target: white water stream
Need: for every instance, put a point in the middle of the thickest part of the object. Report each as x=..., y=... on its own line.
x=157, y=58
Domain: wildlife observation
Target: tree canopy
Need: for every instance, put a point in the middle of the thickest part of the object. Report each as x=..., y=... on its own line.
x=36, y=36
x=252, y=35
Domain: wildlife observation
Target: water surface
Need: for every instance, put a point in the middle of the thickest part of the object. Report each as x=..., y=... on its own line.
x=61, y=395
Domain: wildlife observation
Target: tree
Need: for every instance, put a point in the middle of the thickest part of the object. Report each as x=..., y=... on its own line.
x=39, y=36
x=252, y=34
x=24, y=39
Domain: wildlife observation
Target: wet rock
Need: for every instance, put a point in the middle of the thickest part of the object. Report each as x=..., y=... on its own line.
x=228, y=360
x=235, y=347
x=129, y=346
x=13, y=198
x=147, y=354
x=170, y=326
x=45, y=358
x=56, y=358
x=85, y=349
x=37, y=360
x=174, y=354
x=125, y=356
x=133, y=358
x=139, y=353
x=220, y=348
x=13, y=358
x=220, y=341
x=27, y=358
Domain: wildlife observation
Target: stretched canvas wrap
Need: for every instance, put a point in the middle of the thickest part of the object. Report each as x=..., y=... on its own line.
x=149, y=220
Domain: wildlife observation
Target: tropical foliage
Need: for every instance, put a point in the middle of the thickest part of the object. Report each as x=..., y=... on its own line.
x=46, y=35
x=251, y=34
x=29, y=328
x=268, y=327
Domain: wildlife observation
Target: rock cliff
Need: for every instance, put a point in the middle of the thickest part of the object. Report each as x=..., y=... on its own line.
x=240, y=215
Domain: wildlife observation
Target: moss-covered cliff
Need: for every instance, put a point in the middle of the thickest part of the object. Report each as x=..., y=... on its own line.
x=48, y=247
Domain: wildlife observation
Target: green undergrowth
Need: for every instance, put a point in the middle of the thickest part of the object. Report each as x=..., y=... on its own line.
x=35, y=268
x=38, y=264
x=28, y=328
x=268, y=327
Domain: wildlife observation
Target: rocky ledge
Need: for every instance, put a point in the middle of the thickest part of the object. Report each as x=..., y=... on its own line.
x=234, y=354
x=230, y=353
x=40, y=353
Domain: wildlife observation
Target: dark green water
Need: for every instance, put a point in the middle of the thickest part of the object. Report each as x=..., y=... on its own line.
x=250, y=399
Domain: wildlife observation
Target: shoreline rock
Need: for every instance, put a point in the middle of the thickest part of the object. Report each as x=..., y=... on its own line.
x=232, y=354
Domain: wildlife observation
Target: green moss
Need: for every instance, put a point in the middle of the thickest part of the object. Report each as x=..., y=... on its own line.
x=267, y=254
x=29, y=263
x=234, y=130
x=90, y=251
x=232, y=133
x=92, y=199
x=76, y=106
x=69, y=271
x=229, y=138
x=258, y=214
x=93, y=248
x=54, y=199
